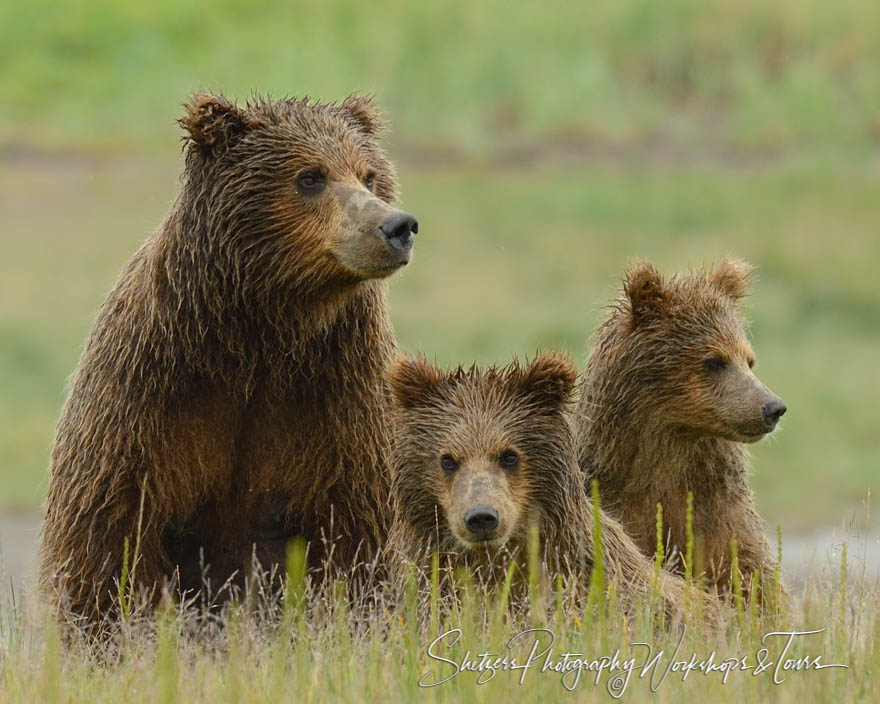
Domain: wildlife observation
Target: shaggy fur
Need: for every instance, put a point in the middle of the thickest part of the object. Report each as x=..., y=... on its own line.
x=668, y=400
x=231, y=393
x=481, y=419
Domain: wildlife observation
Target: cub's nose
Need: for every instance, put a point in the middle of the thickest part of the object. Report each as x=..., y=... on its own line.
x=399, y=228
x=773, y=411
x=481, y=520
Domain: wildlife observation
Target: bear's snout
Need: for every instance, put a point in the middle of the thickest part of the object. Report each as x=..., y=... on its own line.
x=772, y=412
x=481, y=521
x=399, y=228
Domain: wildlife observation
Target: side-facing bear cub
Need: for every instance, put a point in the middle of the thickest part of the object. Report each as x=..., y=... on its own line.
x=668, y=400
x=482, y=455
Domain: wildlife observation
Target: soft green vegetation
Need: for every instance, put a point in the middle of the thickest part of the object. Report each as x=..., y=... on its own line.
x=509, y=261
x=461, y=75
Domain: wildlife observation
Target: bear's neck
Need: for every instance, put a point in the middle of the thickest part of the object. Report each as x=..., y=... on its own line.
x=248, y=336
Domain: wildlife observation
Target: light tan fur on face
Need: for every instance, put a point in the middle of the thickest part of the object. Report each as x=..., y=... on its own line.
x=341, y=222
x=479, y=482
x=727, y=403
x=357, y=242
x=742, y=420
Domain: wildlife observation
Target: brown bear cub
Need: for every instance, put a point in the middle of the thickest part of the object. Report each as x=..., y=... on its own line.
x=481, y=456
x=668, y=400
x=231, y=394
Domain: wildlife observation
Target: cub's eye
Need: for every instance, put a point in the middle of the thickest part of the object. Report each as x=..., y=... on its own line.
x=509, y=459
x=448, y=463
x=751, y=363
x=310, y=181
x=715, y=364
x=370, y=181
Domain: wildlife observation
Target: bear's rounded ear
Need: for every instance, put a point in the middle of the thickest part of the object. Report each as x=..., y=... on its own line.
x=212, y=122
x=643, y=287
x=731, y=276
x=548, y=380
x=364, y=113
x=413, y=381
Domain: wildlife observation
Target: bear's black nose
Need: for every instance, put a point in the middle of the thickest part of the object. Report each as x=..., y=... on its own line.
x=481, y=520
x=773, y=411
x=398, y=228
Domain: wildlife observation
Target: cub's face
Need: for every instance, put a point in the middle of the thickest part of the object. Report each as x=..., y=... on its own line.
x=689, y=343
x=732, y=401
x=482, y=488
x=305, y=185
x=475, y=450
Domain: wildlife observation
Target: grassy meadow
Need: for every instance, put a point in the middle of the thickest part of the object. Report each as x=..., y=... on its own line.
x=416, y=642
x=542, y=147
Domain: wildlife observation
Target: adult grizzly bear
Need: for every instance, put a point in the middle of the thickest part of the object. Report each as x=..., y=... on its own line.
x=231, y=393
x=668, y=399
x=481, y=456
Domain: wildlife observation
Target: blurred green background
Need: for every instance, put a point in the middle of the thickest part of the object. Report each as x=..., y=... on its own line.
x=541, y=145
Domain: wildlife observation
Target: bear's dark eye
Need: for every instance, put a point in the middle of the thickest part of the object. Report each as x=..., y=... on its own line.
x=370, y=180
x=751, y=362
x=715, y=364
x=509, y=459
x=448, y=463
x=310, y=181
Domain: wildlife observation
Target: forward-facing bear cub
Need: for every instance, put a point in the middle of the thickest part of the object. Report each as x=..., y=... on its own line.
x=482, y=455
x=668, y=400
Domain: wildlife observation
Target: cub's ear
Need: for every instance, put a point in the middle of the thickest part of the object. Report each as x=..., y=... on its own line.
x=548, y=380
x=364, y=113
x=731, y=276
x=644, y=291
x=414, y=381
x=212, y=122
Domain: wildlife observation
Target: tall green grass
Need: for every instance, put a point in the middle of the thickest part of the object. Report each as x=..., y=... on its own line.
x=400, y=645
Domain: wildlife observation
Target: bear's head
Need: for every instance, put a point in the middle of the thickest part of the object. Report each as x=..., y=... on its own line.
x=294, y=189
x=480, y=455
x=681, y=348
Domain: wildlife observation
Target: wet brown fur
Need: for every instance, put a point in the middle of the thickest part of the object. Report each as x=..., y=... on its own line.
x=231, y=392
x=653, y=424
x=475, y=414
